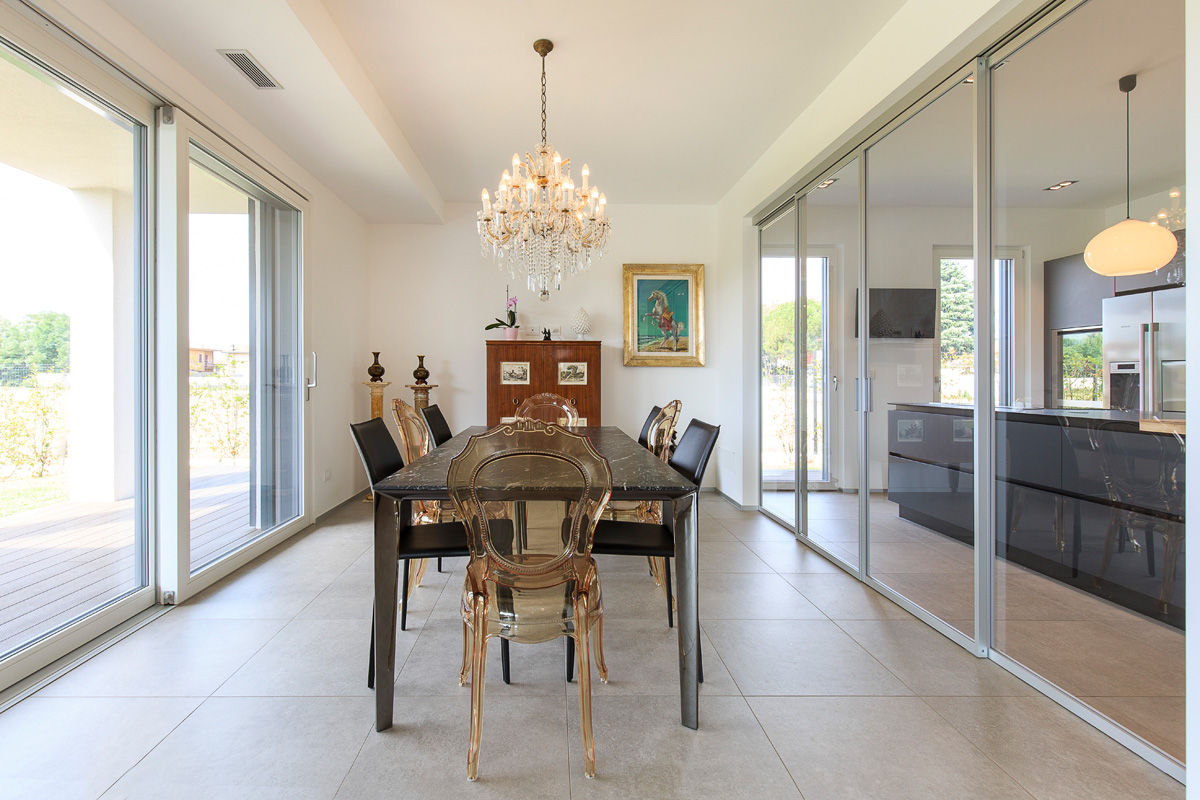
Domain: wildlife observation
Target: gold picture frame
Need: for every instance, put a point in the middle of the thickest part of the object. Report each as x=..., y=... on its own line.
x=663, y=307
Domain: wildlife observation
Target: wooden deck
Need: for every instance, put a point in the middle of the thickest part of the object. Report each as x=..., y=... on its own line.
x=60, y=562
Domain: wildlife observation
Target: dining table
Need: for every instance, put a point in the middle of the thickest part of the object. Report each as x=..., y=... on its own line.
x=637, y=475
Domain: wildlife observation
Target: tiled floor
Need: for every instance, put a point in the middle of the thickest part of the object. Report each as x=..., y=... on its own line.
x=1124, y=664
x=816, y=687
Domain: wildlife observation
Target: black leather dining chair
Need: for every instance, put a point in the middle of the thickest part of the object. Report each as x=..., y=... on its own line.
x=644, y=436
x=381, y=457
x=439, y=431
x=620, y=538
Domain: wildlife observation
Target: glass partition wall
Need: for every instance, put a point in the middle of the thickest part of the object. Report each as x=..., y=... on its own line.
x=1052, y=542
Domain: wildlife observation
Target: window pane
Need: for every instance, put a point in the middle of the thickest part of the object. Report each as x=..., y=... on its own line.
x=778, y=368
x=72, y=494
x=243, y=354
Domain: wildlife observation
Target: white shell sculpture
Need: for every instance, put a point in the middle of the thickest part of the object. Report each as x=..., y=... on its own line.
x=580, y=322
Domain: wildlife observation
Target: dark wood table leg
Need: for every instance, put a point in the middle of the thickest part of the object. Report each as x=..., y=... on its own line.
x=386, y=568
x=683, y=519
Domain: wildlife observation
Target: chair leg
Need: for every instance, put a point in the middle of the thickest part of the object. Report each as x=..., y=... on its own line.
x=670, y=598
x=422, y=563
x=504, y=660
x=601, y=667
x=404, y=598
x=699, y=660
x=371, y=661
x=570, y=659
x=584, y=657
x=439, y=564
x=466, y=659
x=478, y=663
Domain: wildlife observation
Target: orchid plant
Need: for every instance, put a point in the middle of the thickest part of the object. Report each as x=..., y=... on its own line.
x=510, y=313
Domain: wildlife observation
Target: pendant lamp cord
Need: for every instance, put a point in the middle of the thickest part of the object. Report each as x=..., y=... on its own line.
x=1127, y=134
x=544, y=107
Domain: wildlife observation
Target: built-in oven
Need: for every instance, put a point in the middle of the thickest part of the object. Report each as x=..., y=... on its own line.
x=1125, y=385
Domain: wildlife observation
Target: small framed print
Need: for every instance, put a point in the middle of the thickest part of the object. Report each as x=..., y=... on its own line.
x=514, y=372
x=964, y=430
x=572, y=373
x=910, y=430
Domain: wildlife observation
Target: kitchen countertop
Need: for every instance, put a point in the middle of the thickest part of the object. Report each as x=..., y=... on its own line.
x=1065, y=417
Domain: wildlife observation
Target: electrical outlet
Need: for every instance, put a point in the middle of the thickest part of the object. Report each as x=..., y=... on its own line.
x=328, y=475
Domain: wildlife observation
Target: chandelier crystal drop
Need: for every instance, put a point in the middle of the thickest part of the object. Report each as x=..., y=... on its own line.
x=541, y=224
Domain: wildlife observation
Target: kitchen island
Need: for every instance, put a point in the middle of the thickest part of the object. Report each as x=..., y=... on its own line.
x=1088, y=497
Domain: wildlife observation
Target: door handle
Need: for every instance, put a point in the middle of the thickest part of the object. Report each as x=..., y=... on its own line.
x=1147, y=392
x=311, y=384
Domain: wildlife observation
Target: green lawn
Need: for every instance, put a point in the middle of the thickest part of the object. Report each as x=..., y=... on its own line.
x=23, y=494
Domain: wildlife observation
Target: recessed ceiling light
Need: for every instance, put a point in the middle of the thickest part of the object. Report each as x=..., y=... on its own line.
x=969, y=79
x=1060, y=185
x=825, y=184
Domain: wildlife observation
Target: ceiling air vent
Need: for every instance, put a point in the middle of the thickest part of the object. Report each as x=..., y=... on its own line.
x=248, y=65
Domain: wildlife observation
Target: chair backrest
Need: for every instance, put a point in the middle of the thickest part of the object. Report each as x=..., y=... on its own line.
x=414, y=435
x=376, y=448
x=530, y=495
x=439, y=431
x=660, y=439
x=548, y=407
x=644, y=436
x=695, y=446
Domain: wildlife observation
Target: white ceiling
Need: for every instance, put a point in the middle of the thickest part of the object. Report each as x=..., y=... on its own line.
x=402, y=106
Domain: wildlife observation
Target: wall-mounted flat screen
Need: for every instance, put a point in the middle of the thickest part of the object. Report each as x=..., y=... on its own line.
x=901, y=313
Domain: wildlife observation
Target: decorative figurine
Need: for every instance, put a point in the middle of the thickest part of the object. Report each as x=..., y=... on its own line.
x=420, y=373
x=545, y=334
x=375, y=370
x=580, y=323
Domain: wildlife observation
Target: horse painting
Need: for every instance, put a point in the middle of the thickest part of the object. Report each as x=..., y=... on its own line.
x=664, y=319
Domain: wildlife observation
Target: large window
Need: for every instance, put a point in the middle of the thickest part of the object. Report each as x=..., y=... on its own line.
x=73, y=412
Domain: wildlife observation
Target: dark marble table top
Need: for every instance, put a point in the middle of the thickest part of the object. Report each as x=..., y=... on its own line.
x=637, y=474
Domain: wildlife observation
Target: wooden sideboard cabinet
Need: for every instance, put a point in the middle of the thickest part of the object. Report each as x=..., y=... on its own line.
x=569, y=369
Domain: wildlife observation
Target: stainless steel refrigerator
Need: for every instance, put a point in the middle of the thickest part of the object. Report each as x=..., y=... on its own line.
x=1144, y=358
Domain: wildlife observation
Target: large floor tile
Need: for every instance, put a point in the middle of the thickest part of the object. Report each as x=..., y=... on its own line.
x=1094, y=659
x=431, y=668
x=1052, y=753
x=630, y=595
x=790, y=556
x=928, y=662
x=254, y=747
x=1159, y=720
x=643, y=751
x=169, y=657
x=522, y=754
x=798, y=657
x=860, y=748
x=840, y=596
x=758, y=528
x=643, y=658
x=311, y=658
x=66, y=748
x=729, y=557
x=738, y=595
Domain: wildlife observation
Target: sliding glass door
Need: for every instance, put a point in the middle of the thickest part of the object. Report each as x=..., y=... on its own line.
x=244, y=389
x=74, y=532
x=778, y=366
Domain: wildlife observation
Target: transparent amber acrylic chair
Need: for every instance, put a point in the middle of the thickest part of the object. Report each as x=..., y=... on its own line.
x=660, y=436
x=530, y=495
x=548, y=407
x=414, y=443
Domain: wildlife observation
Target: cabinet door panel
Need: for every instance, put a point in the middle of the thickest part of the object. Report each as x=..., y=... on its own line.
x=504, y=363
x=572, y=370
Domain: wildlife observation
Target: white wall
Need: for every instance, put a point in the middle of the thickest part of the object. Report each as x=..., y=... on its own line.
x=431, y=292
x=336, y=269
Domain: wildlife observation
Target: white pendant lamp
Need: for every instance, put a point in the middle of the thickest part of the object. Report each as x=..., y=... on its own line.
x=1131, y=247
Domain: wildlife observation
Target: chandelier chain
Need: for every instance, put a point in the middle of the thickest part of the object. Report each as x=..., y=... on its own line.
x=543, y=101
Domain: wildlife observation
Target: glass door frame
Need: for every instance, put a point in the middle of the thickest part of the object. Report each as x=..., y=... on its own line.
x=177, y=133
x=24, y=34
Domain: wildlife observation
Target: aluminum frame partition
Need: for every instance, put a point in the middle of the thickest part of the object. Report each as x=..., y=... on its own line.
x=984, y=415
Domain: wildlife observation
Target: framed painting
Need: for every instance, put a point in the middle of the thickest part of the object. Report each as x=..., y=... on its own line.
x=664, y=315
x=514, y=373
x=572, y=373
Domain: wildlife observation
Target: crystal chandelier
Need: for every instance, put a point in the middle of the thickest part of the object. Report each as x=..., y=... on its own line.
x=541, y=224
